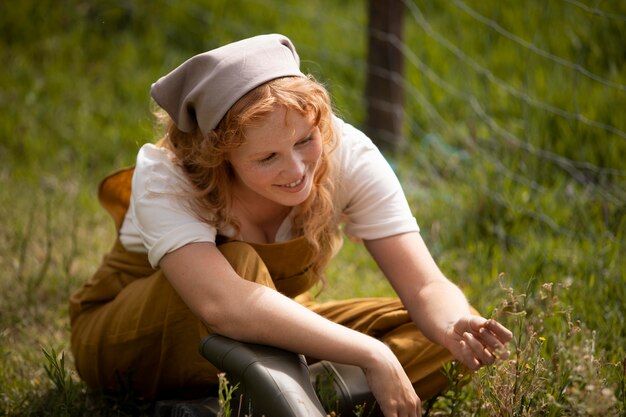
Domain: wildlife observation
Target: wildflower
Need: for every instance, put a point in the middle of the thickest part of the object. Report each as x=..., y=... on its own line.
x=607, y=392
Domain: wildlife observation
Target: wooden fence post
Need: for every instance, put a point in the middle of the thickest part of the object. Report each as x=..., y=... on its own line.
x=384, y=93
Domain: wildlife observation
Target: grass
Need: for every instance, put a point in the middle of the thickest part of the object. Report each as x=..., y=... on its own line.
x=523, y=206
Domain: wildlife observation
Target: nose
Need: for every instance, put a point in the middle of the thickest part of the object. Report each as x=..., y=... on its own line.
x=293, y=166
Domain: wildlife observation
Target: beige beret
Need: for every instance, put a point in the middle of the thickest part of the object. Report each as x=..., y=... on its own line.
x=201, y=90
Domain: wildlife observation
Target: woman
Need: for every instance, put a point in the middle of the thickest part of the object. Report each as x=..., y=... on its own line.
x=252, y=180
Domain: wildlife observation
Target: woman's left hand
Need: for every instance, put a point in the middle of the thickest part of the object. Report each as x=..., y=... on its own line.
x=476, y=341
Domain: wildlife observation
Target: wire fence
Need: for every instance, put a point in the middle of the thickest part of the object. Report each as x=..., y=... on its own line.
x=607, y=183
x=595, y=138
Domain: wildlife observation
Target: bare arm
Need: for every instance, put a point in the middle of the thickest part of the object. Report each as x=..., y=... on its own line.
x=250, y=312
x=436, y=305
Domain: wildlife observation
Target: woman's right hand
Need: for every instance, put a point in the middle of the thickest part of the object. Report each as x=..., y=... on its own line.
x=391, y=386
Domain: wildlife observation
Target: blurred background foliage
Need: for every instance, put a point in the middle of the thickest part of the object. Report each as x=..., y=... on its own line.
x=513, y=158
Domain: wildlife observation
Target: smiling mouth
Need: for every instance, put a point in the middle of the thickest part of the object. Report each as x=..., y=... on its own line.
x=293, y=184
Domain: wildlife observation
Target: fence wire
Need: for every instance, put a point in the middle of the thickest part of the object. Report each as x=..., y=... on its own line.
x=612, y=191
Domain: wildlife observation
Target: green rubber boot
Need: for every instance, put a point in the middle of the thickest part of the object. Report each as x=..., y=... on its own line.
x=273, y=382
x=343, y=389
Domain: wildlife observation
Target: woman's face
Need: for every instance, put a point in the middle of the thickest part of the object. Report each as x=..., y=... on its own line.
x=278, y=160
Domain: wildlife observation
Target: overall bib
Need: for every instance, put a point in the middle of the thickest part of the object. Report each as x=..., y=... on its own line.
x=131, y=331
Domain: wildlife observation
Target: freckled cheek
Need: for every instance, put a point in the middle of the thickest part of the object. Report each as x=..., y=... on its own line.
x=258, y=178
x=265, y=179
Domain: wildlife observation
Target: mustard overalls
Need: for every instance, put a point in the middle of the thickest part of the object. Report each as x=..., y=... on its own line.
x=131, y=329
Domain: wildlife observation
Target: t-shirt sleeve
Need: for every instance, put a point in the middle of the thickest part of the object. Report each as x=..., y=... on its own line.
x=373, y=203
x=158, y=205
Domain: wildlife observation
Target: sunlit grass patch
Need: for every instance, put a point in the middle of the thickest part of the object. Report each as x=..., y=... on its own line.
x=555, y=368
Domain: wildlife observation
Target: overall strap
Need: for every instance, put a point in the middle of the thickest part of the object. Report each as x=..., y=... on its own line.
x=114, y=194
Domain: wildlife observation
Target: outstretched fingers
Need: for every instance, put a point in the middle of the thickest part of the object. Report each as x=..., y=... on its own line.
x=476, y=341
x=504, y=334
x=495, y=336
x=478, y=349
x=467, y=356
x=482, y=341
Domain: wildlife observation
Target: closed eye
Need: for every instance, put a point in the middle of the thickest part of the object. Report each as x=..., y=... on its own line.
x=267, y=159
x=305, y=141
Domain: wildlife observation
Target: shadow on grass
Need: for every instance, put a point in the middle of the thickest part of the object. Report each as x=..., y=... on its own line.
x=54, y=403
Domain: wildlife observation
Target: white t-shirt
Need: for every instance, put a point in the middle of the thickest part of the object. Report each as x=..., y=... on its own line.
x=368, y=195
